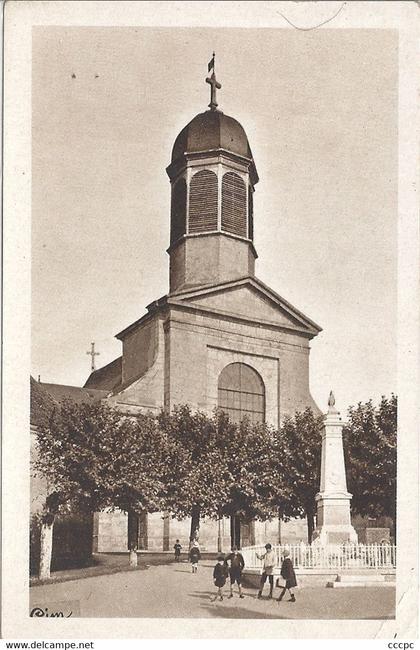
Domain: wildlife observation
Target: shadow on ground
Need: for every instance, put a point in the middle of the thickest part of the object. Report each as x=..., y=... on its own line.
x=220, y=610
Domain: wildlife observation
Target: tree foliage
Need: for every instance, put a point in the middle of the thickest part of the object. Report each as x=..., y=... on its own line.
x=197, y=477
x=225, y=469
x=296, y=464
x=249, y=451
x=370, y=443
x=194, y=465
x=96, y=458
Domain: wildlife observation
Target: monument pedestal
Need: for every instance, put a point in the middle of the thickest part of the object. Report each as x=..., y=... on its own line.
x=333, y=501
x=333, y=520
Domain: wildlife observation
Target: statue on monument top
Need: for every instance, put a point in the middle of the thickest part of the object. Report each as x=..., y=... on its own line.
x=331, y=404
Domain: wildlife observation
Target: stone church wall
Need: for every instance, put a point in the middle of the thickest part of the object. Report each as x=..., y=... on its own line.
x=147, y=392
x=110, y=532
x=198, y=347
x=162, y=531
x=209, y=258
x=190, y=348
x=140, y=349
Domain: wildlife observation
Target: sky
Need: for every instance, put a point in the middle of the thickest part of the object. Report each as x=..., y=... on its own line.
x=320, y=111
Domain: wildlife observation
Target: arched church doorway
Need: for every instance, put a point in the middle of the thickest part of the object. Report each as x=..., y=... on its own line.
x=241, y=393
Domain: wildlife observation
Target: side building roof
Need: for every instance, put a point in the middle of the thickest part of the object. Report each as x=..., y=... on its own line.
x=46, y=397
x=42, y=404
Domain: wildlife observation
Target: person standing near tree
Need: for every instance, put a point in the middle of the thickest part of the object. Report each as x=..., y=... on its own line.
x=177, y=549
x=287, y=572
x=269, y=562
x=195, y=555
x=235, y=563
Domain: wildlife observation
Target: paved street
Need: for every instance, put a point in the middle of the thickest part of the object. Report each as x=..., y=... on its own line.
x=172, y=591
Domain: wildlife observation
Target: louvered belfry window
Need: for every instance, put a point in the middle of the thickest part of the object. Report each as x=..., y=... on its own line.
x=250, y=212
x=203, y=202
x=178, y=209
x=241, y=393
x=234, y=204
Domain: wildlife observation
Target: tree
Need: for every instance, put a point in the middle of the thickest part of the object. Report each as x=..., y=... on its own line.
x=248, y=449
x=95, y=458
x=197, y=478
x=225, y=470
x=66, y=458
x=296, y=463
x=370, y=438
x=142, y=471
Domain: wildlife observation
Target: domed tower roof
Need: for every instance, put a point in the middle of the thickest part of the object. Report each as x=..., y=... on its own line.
x=212, y=130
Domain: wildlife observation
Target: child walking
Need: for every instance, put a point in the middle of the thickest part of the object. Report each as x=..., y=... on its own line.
x=235, y=562
x=287, y=572
x=195, y=555
x=269, y=562
x=220, y=572
x=177, y=549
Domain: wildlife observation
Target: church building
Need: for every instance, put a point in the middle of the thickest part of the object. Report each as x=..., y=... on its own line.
x=220, y=337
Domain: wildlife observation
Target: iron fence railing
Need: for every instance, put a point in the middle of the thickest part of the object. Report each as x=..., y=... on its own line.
x=332, y=556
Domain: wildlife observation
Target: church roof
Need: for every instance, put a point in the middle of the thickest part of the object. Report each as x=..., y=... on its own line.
x=61, y=392
x=107, y=378
x=196, y=297
x=212, y=130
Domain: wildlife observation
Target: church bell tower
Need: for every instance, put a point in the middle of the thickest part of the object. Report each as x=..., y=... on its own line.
x=212, y=175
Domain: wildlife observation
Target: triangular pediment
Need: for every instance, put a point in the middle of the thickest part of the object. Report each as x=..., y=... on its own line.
x=249, y=299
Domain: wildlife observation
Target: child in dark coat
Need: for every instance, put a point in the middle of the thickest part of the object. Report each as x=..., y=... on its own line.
x=287, y=572
x=195, y=555
x=235, y=563
x=177, y=549
x=220, y=573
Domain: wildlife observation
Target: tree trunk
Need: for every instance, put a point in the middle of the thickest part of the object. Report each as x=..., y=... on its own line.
x=195, y=522
x=219, y=536
x=45, y=552
x=132, y=558
x=133, y=533
x=310, y=523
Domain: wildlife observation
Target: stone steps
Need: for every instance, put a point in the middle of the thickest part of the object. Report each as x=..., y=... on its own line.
x=379, y=577
x=341, y=585
x=361, y=580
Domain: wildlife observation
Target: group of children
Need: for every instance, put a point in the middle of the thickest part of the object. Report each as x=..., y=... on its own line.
x=287, y=572
x=233, y=564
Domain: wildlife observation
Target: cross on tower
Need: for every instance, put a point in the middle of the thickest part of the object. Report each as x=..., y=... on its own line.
x=93, y=354
x=214, y=85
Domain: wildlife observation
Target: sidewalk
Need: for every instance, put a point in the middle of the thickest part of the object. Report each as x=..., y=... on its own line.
x=103, y=564
x=108, y=563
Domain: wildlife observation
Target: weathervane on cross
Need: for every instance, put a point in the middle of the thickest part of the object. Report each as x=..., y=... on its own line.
x=215, y=85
